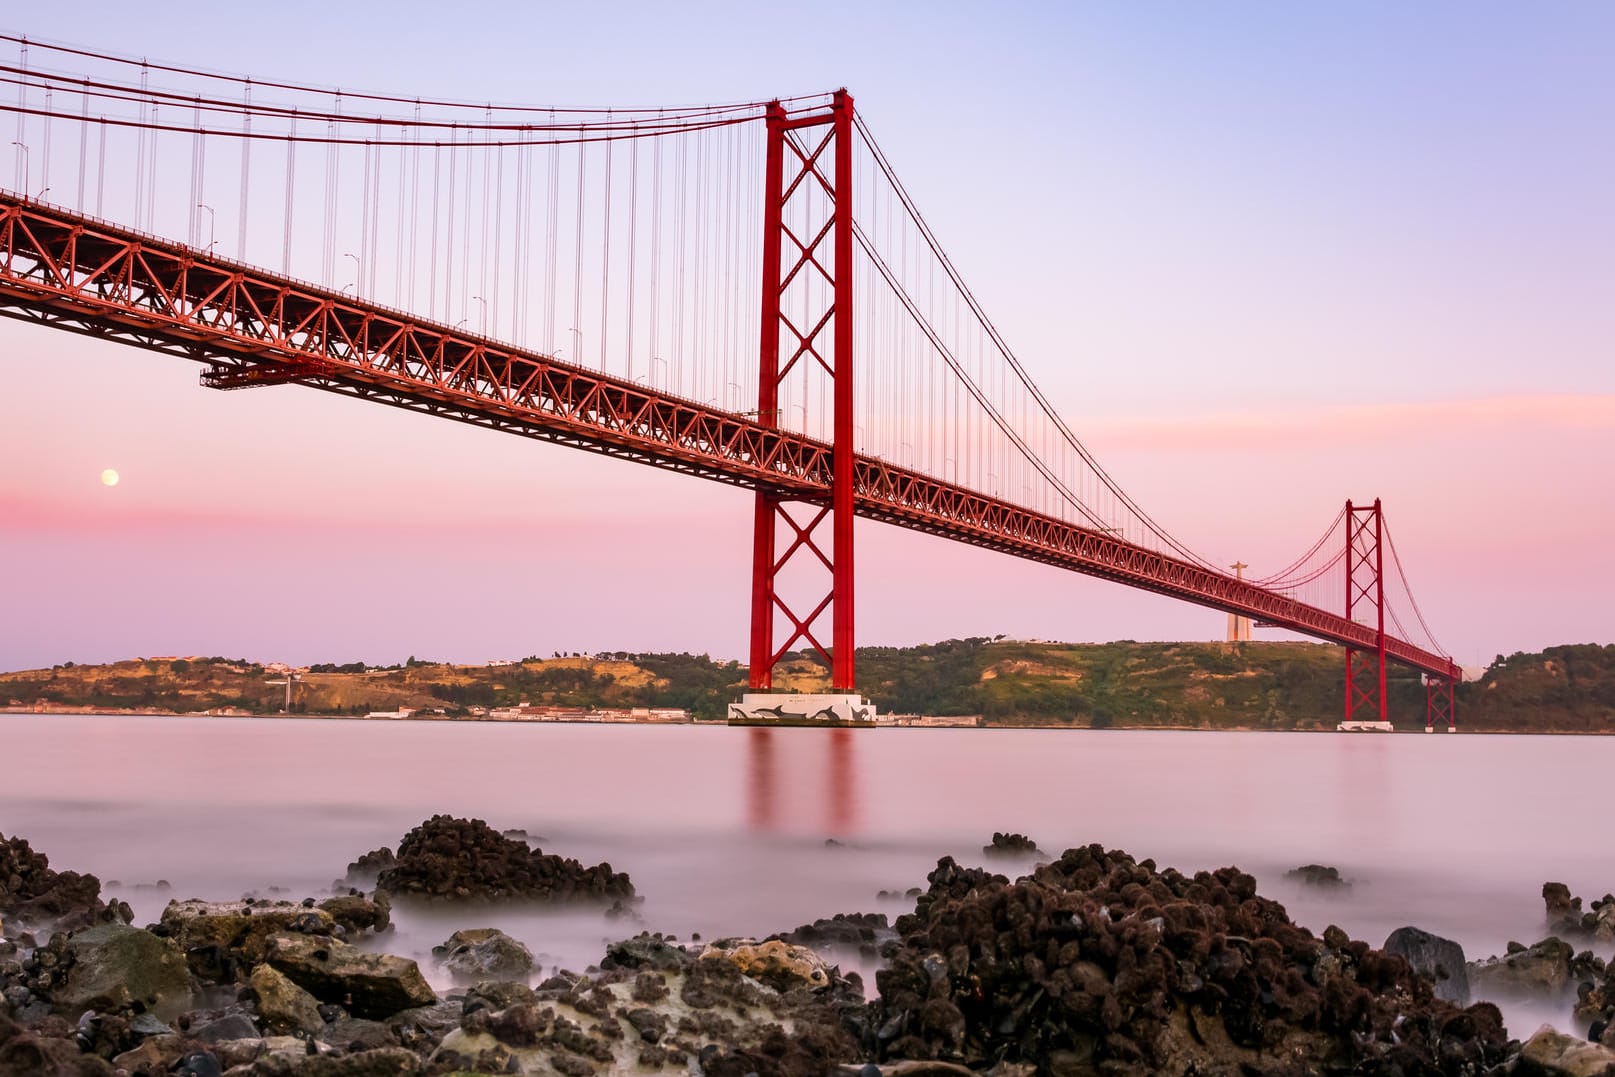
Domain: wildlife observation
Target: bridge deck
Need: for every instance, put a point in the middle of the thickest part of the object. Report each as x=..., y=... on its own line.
x=253, y=327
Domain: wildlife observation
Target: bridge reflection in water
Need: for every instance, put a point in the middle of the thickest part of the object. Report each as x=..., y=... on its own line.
x=802, y=779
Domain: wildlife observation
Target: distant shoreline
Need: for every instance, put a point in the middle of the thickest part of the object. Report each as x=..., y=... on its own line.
x=1000, y=683
x=151, y=712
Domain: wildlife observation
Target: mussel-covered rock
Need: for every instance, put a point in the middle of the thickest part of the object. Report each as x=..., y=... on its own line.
x=453, y=858
x=1321, y=876
x=1100, y=963
x=1011, y=845
x=32, y=892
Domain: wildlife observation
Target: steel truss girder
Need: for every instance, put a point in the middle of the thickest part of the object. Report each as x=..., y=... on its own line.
x=72, y=273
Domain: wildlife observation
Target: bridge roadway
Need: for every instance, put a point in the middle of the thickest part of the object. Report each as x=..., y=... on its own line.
x=252, y=327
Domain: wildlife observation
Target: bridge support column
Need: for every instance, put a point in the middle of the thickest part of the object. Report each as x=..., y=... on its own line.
x=1439, y=703
x=806, y=338
x=1365, y=586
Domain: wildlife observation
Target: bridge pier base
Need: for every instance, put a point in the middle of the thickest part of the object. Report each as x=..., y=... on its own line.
x=802, y=709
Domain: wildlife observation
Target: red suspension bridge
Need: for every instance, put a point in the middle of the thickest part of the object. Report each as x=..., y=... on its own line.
x=591, y=277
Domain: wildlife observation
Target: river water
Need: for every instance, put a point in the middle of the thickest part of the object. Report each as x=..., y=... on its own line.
x=726, y=831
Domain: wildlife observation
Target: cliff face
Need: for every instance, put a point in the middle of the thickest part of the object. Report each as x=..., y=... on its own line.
x=1255, y=685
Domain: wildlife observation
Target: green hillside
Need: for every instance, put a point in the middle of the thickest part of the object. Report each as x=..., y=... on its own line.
x=1256, y=685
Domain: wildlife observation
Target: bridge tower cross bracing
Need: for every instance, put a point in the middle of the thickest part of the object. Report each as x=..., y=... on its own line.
x=817, y=264
x=1365, y=586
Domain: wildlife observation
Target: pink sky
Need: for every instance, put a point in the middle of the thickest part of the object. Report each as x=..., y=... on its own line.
x=1262, y=264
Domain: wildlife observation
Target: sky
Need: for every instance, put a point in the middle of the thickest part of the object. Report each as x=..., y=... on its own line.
x=1262, y=257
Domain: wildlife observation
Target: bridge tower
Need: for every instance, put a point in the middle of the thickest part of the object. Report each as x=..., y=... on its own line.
x=1439, y=704
x=806, y=321
x=1365, y=587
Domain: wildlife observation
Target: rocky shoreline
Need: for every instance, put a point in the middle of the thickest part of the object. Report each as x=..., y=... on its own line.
x=1093, y=963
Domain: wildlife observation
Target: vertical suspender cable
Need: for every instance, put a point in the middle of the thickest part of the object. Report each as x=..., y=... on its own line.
x=655, y=257
x=101, y=171
x=498, y=236
x=246, y=171
x=291, y=175
x=482, y=248
x=192, y=218
x=448, y=239
x=633, y=236
x=374, y=261
x=415, y=201
x=431, y=262
x=605, y=251
x=577, y=260
x=18, y=155
x=84, y=147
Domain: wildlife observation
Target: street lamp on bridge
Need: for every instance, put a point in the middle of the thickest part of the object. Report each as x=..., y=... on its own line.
x=212, y=220
x=27, y=158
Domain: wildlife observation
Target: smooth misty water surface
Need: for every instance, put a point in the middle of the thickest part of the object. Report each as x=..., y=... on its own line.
x=724, y=830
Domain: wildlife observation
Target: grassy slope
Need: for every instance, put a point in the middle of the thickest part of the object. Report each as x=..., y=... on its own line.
x=1198, y=685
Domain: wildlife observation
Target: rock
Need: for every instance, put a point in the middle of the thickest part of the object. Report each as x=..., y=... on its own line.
x=1544, y=967
x=863, y=932
x=224, y=940
x=1011, y=845
x=1565, y=916
x=455, y=859
x=777, y=964
x=235, y=1026
x=1554, y=1053
x=426, y=1025
x=484, y=954
x=359, y=1034
x=371, y=864
x=1319, y=875
x=654, y=1008
x=1099, y=963
x=374, y=986
x=45, y=1052
x=356, y=912
x=1440, y=959
x=647, y=951
x=496, y=995
x=115, y=965
x=282, y=1005
x=63, y=900
x=1595, y=997
x=1562, y=908
x=199, y=1064
x=155, y=1054
x=379, y=1062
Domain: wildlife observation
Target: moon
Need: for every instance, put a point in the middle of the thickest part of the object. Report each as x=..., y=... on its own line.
x=109, y=477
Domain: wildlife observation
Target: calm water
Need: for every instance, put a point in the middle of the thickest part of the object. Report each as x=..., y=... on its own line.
x=724, y=830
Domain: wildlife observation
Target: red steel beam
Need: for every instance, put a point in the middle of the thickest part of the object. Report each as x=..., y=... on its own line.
x=254, y=327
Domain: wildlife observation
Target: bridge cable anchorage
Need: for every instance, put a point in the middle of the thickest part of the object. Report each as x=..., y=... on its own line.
x=946, y=432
